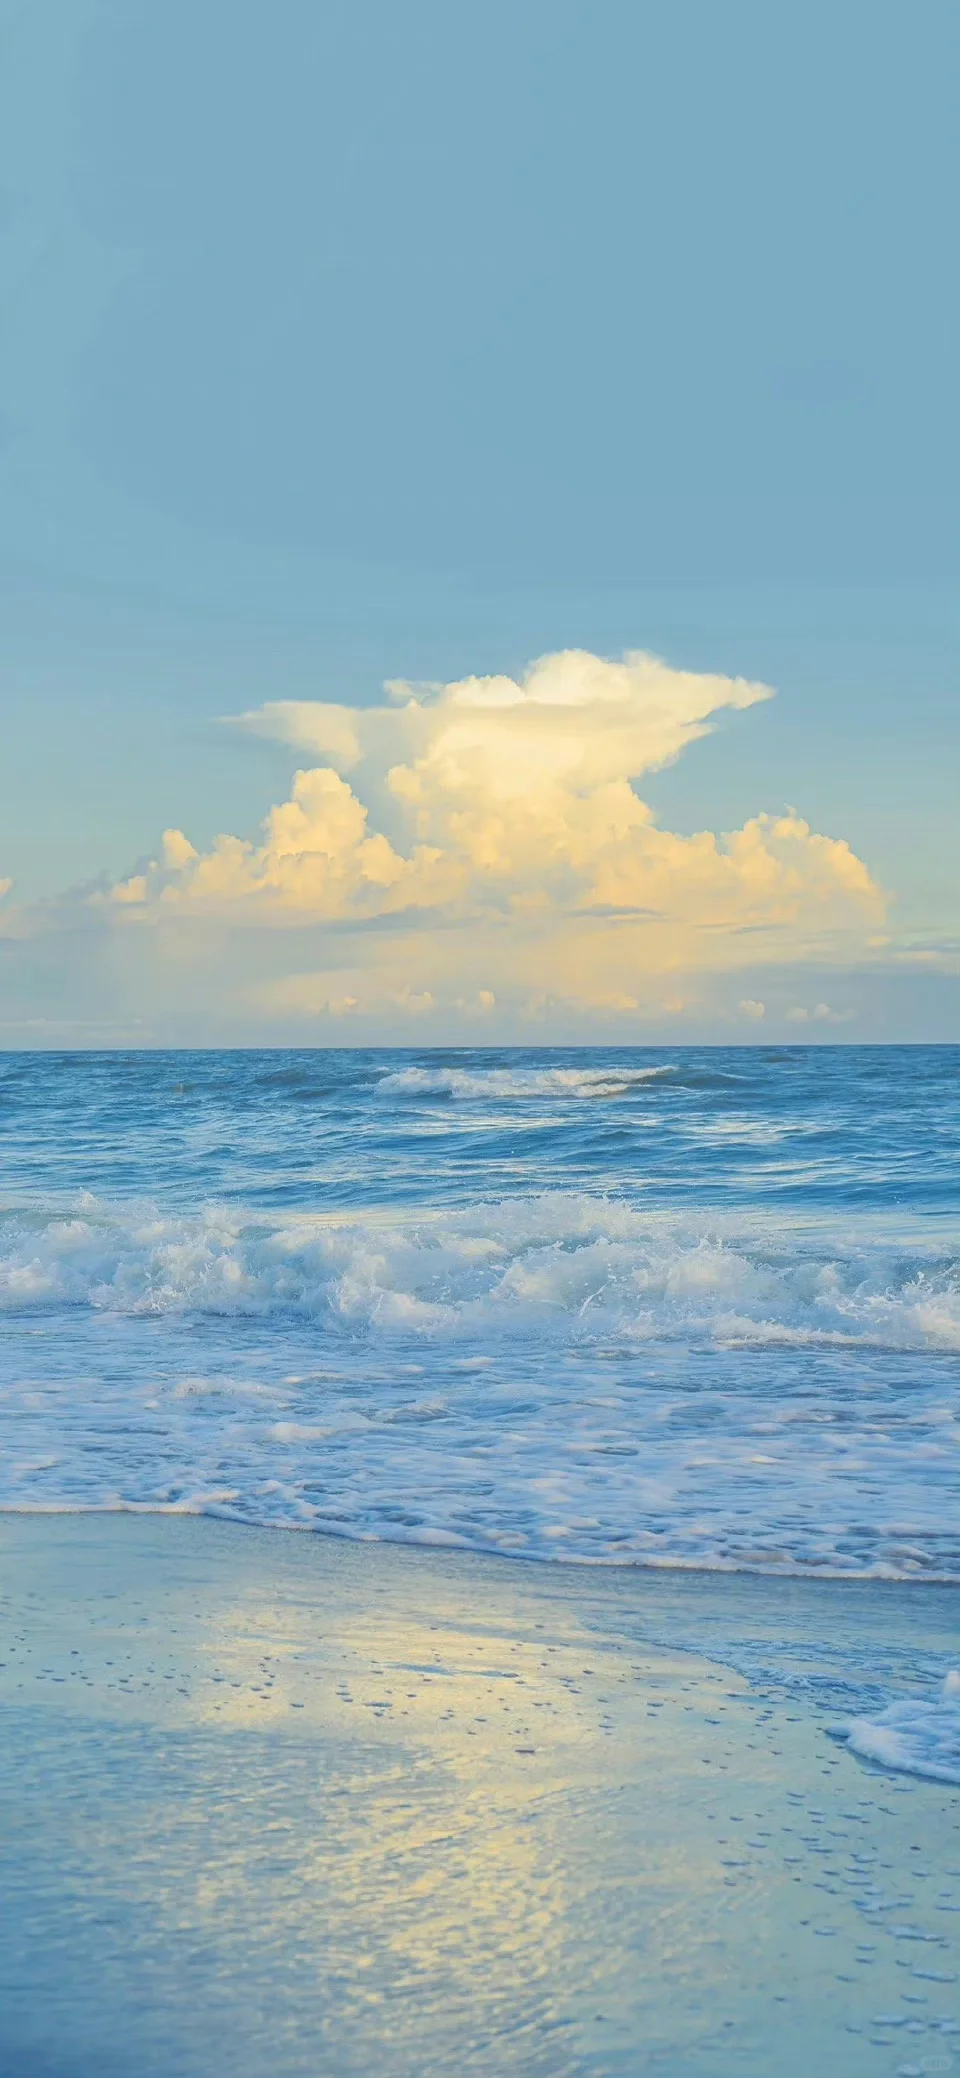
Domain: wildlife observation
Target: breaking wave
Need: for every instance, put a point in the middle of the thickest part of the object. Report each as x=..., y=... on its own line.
x=599, y=1306
x=481, y=1084
x=564, y=1268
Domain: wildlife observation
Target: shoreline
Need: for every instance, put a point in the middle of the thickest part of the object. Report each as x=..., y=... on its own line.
x=268, y=1799
x=441, y=1543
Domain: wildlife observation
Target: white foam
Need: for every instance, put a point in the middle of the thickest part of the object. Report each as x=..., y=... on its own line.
x=573, y=1268
x=915, y=1737
x=481, y=1084
x=562, y=1376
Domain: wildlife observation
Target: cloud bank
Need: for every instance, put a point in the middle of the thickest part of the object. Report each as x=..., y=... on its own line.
x=484, y=842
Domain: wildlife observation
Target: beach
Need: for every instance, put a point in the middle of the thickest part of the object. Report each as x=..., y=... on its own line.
x=290, y=1803
x=479, y=1043
x=480, y=1562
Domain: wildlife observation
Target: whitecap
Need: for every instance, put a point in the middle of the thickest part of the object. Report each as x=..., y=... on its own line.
x=481, y=1084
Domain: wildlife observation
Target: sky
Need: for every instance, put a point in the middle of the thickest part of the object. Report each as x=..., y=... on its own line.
x=478, y=522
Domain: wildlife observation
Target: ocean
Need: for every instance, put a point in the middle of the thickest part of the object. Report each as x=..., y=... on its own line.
x=674, y=1307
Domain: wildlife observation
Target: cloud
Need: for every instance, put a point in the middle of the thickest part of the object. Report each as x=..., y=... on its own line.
x=936, y=959
x=497, y=797
x=821, y=1014
x=483, y=844
x=573, y=719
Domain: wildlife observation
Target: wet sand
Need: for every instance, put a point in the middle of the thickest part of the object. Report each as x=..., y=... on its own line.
x=278, y=1804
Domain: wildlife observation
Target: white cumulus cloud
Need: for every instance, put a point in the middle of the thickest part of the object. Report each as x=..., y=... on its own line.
x=821, y=1014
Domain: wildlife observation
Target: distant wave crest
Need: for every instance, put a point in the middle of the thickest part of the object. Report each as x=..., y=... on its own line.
x=482, y=1084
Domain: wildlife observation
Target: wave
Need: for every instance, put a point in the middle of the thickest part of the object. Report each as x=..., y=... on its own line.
x=915, y=1736
x=727, y=1343
x=559, y=1268
x=479, y=1084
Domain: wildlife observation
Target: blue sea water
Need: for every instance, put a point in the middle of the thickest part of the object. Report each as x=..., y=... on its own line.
x=679, y=1306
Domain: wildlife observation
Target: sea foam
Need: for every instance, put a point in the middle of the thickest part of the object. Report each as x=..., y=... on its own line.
x=480, y=1085
x=916, y=1736
x=563, y=1267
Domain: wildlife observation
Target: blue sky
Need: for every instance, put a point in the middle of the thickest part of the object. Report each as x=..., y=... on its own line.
x=353, y=343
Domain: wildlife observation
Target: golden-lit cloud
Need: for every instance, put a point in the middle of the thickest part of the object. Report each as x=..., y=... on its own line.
x=499, y=796
x=483, y=844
